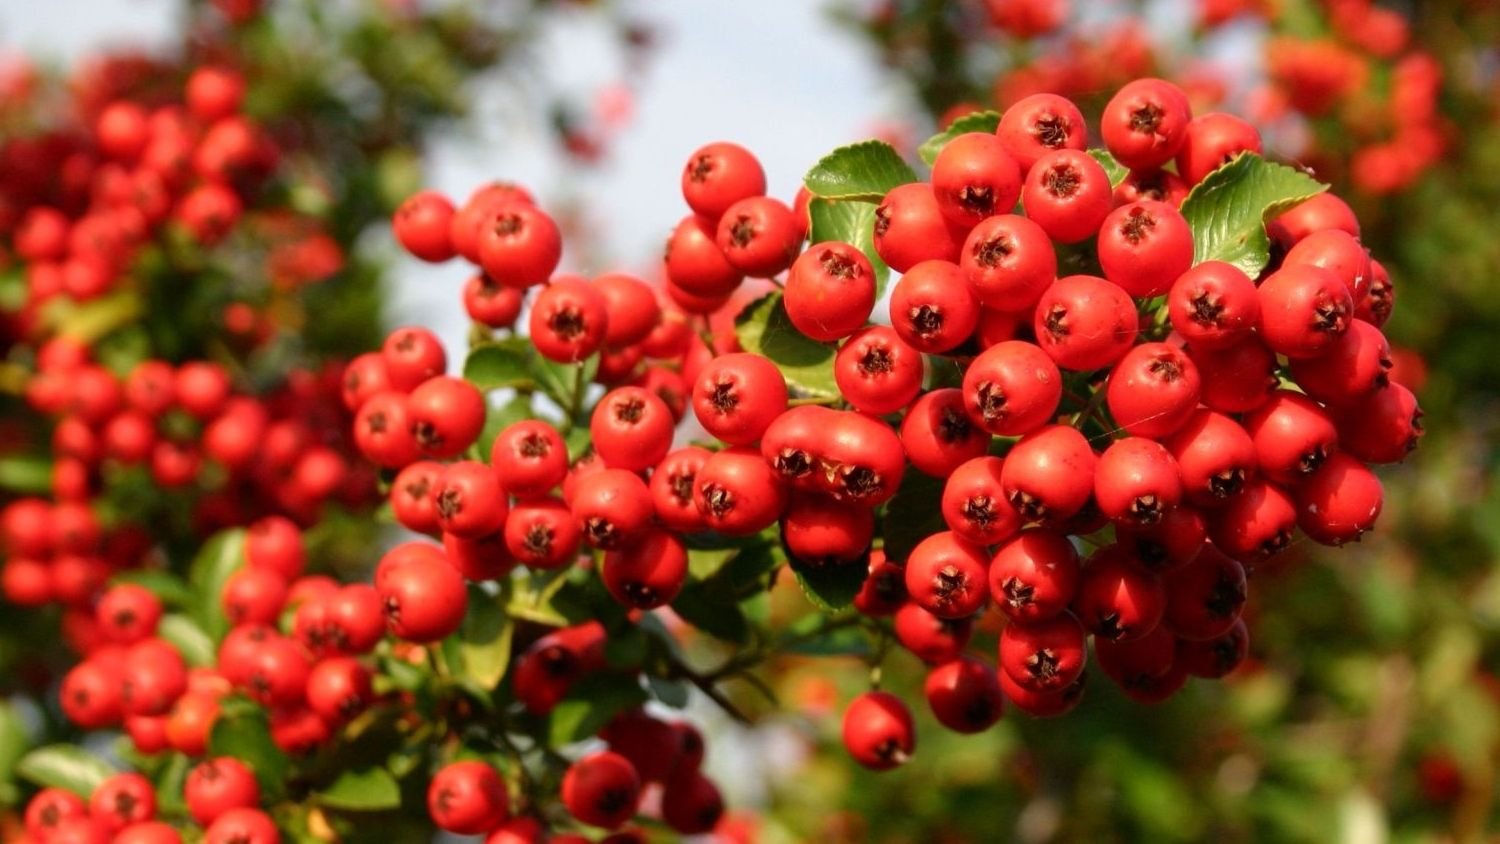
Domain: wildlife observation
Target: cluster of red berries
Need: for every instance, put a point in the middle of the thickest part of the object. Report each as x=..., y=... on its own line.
x=1193, y=414
x=1361, y=74
x=220, y=794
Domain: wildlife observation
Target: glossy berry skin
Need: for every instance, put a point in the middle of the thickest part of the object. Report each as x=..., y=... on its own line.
x=974, y=178
x=718, y=175
x=422, y=594
x=1043, y=704
x=218, y=785
x=568, y=320
x=277, y=674
x=491, y=305
x=759, y=236
x=1009, y=262
x=1213, y=140
x=1214, y=457
x=1255, y=524
x=253, y=596
x=530, y=457
x=467, y=798
x=1136, y=482
x=1237, y=378
x=877, y=372
x=1338, y=502
x=122, y=800
x=338, y=689
x=1012, y=388
x=1043, y=655
x=830, y=291
x=1338, y=252
x=1359, y=363
x=1137, y=664
x=1068, y=194
x=1158, y=185
x=672, y=484
x=737, y=396
x=601, y=789
x=938, y=435
x=611, y=507
x=1153, y=390
x=964, y=695
x=1304, y=309
x=148, y=832
x=1038, y=124
x=632, y=305
x=974, y=505
x=1213, y=305
x=695, y=263
x=860, y=459
x=1049, y=475
x=1145, y=123
x=631, y=428
x=1382, y=427
x=411, y=496
x=355, y=622
x=49, y=808
x=153, y=675
x=1083, y=322
x=1118, y=600
x=946, y=576
x=1218, y=657
x=878, y=731
x=1379, y=299
x=1034, y=576
x=421, y=226
x=128, y=613
x=540, y=533
x=884, y=589
x=910, y=228
x=691, y=803
x=822, y=531
x=382, y=430
x=930, y=638
x=446, y=415
x=737, y=493
x=469, y=500
x=646, y=572
x=1144, y=247
x=519, y=245
x=242, y=826
x=412, y=355
x=1292, y=436
x=1204, y=598
x=932, y=307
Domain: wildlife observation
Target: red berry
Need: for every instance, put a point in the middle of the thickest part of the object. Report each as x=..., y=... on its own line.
x=964, y=695
x=411, y=496
x=254, y=596
x=469, y=500
x=632, y=306
x=631, y=429
x=1237, y=378
x=1213, y=305
x=1034, y=576
x=422, y=223
x=737, y=396
x=974, y=178
x=1045, y=655
x=974, y=505
x=933, y=308
x=1304, y=309
x=1216, y=657
x=568, y=320
x=1358, y=364
x=446, y=415
x=128, y=613
x=601, y=789
x=1153, y=390
x=530, y=457
x=242, y=826
x=1145, y=123
x=1292, y=436
x=938, y=435
x=830, y=291
x=1049, y=475
x=1136, y=482
x=467, y=798
x=491, y=305
x=612, y=507
x=884, y=589
x=422, y=594
x=1041, y=123
x=737, y=493
x=691, y=803
x=1204, y=598
x=718, y=175
x=910, y=228
x=877, y=372
x=1382, y=427
x=218, y=785
x=1012, y=388
x=1144, y=247
x=540, y=533
x=1255, y=524
x=1213, y=140
x=1214, y=456
x=878, y=731
x=338, y=689
x=1118, y=600
x=412, y=355
x=672, y=484
x=1338, y=502
x=648, y=571
x=1043, y=704
x=695, y=264
x=759, y=236
x=932, y=639
x=1009, y=262
x=1068, y=194
x=1083, y=322
x=519, y=245
x=946, y=576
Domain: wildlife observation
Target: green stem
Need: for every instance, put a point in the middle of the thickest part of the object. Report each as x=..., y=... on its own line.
x=822, y=400
x=575, y=401
x=1095, y=401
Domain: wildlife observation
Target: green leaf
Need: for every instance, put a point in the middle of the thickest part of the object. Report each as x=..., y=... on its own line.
x=830, y=587
x=1229, y=209
x=485, y=638
x=852, y=223
x=590, y=704
x=814, y=636
x=13, y=742
x=167, y=587
x=765, y=329
x=243, y=731
x=979, y=121
x=221, y=555
x=497, y=419
x=169, y=781
x=26, y=474
x=492, y=367
x=361, y=790
x=715, y=614
x=864, y=172
x=912, y=514
x=188, y=638
x=1116, y=171
x=673, y=693
x=627, y=648
x=64, y=766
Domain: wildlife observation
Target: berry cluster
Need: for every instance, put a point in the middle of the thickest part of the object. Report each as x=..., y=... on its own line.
x=1116, y=444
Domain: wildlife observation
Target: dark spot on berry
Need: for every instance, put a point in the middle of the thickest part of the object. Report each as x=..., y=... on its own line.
x=1138, y=225
x=926, y=320
x=742, y=232
x=1042, y=665
x=568, y=323
x=1051, y=130
x=1062, y=180
x=630, y=410
x=1017, y=593
x=991, y=252
x=1146, y=119
x=534, y=445
x=837, y=265
x=876, y=360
